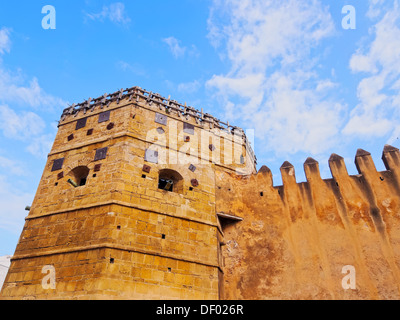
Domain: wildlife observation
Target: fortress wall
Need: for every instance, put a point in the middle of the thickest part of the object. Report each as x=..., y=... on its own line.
x=295, y=239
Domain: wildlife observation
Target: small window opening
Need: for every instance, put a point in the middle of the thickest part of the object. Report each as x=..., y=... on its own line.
x=170, y=180
x=118, y=227
x=169, y=269
x=261, y=194
x=166, y=184
x=190, y=188
x=143, y=176
x=79, y=176
x=163, y=236
x=111, y=260
x=83, y=182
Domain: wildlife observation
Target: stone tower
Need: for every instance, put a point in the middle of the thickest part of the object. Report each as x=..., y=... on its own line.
x=126, y=206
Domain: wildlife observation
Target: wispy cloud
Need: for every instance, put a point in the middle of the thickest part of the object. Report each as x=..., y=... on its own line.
x=377, y=113
x=21, y=105
x=134, y=68
x=11, y=166
x=5, y=42
x=13, y=202
x=28, y=128
x=22, y=126
x=115, y=12
x=189, y=87
x=26, y=125
x=178, y=50
x=272, y=84
x=40, y=145
x=175, y=47
x=14, y=89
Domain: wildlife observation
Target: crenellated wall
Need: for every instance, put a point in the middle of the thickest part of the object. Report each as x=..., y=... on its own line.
x=295, y=239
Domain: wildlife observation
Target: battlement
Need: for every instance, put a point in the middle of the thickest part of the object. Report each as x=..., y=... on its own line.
x=363, y=162
x=167, y=105
x=368, y=181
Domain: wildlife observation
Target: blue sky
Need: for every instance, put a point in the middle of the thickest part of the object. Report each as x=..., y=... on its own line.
x=285, y=69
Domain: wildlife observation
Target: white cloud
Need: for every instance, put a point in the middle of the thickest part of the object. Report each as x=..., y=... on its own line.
x=271, y=85
x=5, y=42
x=325, y=84
x=13, y=202
x=115, y=12
x=11, y=166
x=13, y=89
x=377, y=112
x=24, y=130
x=189, y=87
x=40, y=146
x=13, y=86
x=179, y=51
x=135, y=68
x=22, y=126
x=26, y=126
x=362, y=63
x=258, y=32
x=174, y=45
x=376, y=7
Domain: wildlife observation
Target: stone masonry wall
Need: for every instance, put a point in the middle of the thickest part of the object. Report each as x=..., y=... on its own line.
x=296, y=241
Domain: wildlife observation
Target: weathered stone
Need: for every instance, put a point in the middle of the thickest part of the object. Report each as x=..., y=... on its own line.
x=123, y=233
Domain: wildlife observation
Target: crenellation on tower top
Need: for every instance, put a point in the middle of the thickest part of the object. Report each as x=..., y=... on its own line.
x=171, y=108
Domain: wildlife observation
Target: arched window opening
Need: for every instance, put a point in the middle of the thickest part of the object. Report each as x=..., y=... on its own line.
x=170, y=180
x=79, y=176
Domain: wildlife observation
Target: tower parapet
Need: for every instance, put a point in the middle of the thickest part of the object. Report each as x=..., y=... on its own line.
x=171, y=108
